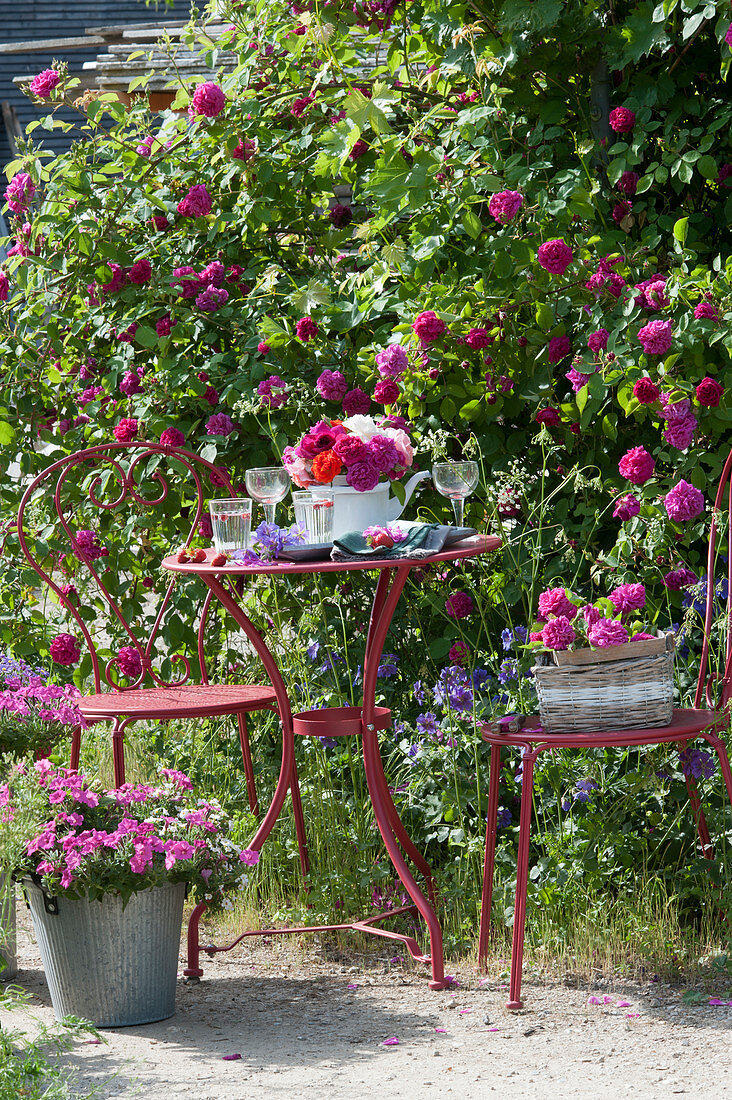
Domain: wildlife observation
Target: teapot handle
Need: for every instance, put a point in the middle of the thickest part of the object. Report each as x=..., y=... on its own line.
x=394, y=506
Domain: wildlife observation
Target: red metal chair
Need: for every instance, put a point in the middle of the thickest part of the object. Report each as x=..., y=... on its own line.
x=686, y=724
x=120, y=485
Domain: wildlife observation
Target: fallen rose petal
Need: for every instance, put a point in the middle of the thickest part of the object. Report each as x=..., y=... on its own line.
x=391, y=1042
x=632, y=1015
x=593, y=1001
x=92, y=1042
x=493, y=1029
x=463, y=1011
x=441, y=1030
x=717, y=1001
x=483, y=981
x=623, y=1004
x=607, y=1000
x=351, y=985
x=230, y=1057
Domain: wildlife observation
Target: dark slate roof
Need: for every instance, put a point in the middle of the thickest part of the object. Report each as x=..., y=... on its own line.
x=25, y=20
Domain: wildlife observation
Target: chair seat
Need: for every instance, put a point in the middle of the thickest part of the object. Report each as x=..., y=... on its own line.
x=187, y=701
x=684, y=723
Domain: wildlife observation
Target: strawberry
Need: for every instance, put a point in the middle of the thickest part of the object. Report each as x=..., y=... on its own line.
x=382, y=539
x=199, y=555
x=218, y=559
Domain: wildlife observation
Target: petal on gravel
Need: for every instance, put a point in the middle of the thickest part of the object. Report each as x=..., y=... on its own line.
x=607, y=1000
x=632, y=1015
x=493, y=1029
x=391, y=1042
x=593, y=1001
x=351, y=985
x=464, y=1011
x=623, y=1004
x=230, y=1057
x=441, y=1030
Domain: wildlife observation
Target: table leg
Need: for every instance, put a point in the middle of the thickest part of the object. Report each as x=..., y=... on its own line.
x=392, y=830
x=491, y=830
x=522, y=879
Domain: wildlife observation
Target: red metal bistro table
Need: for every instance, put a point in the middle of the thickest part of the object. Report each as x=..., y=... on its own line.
x=365, y=720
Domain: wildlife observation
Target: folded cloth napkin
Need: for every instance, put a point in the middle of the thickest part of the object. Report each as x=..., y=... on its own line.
x=423, y=540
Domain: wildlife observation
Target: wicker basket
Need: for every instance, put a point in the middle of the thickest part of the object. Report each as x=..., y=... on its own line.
x=592, y=690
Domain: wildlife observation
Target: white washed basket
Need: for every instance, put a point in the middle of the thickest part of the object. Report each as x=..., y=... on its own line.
x=592, y=690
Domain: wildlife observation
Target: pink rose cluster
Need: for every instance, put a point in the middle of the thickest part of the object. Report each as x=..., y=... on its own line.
x=605, y=280
x=656, y=337
x=559, y=611
x=19, y=192
x=652, y=293
x=208, y=100
x=364, y=448
x=680, y=422
x=196, y=203
x=555, y=256
x=428, y=327
x=273, y=391
x=206, y=285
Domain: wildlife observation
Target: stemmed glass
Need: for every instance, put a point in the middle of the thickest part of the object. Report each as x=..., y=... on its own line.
x=268, y=485
x=455, y=480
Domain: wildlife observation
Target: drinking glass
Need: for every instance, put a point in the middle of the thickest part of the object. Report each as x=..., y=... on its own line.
x=322, y=523
x=268, y=485
x=231, y=521
x=303, y=502
x=456, y=481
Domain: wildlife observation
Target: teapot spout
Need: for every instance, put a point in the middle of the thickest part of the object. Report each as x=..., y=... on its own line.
x=395, y=506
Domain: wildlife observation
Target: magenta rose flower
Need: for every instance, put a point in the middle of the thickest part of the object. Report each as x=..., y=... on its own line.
x=172, y=437
x=626, y=507
x=458, y=654
x=140, y=272
x=44, y=83
x=164, y=325
x=558, y=348
x=4, y=286
x=637, y=465
x=305, y=329
x=245, y=150
x=706, y=311
x=212, y=299
x=86, y=546
x=19, y=192
x=597, y=340
x=129, y=662
x=197, y=203
x=65, y=649
x=383, y=453
x=559, y=633
x=621, y=210
x=362, y=476
x=679, y=431
x=126, y=430
x=628, y=597
x=219, y=424
x=359, y=148
x=505, y=205
x=263, y=347
x=555, y=256
x=273, y=391
x=356, y=401
x=607, y=632
x=350, y=449
x=386, y=391
x=340, y=215
x=479, y=338
x=646, y=392
x=332, y=385
x=676, y=579
x=428, y=326
x=208, y=99
x=728, y=36
x=459, y=605
x=628, y=183
x=554, y=601
x=655, y=337
x=684, y=502
x=391, y=361
x=709, y=392
x=622, y=120
x=213, y=274
x=549, y=417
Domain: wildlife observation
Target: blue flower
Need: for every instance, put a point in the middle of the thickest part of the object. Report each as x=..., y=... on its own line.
x=313, y=650
x=454, y=689
x=697, y=763
x=480, y=678
x=388, y=665
x=419, y=692
x=508, y=670
x=507, y=638
x=427, y=723
x=505, y=817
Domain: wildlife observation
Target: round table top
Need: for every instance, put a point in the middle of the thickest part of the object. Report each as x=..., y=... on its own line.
x=467, y=548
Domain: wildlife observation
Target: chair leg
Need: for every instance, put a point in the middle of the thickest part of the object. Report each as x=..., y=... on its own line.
x=75, y=749
x=248, y=767
x=302, y=840
x=490, y=855
x=522, y=878
x=193, y=970
x=721, y=749
x=118, y=753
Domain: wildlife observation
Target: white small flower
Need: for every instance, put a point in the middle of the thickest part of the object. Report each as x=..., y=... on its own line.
x=363, y=427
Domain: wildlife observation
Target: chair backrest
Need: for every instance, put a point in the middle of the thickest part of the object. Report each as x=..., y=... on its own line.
x=715, y=689
x=94, y=526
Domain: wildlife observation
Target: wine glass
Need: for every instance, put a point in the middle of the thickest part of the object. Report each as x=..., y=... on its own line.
x=268, y=485
x=455, y=480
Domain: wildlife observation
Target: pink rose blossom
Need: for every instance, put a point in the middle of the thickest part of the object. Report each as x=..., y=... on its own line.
x=362, y=476
x=622, y=120
x=213, y=274
x=65, y=649
x=459, y=605
x=44, y=83
x=554, y=601
x=332, y=385
x=706, y=311
x=607, y=632
x=386, y=391
x=559, y=633
x=197, y=203
x=305, y=329
x=340, y=215
x=273, y=391
x=679, y=431
x=597, y=340
x=549, y=416
x=646, y=392
x=263, y=348
x=677, y=579
x=391, y=361
x=626, y=507
x=628, y=183
x=172, y=437
x=728, y=36
x=140, y=272
x=359, y=148
x=555, y=256
x=459, y=654
x=208, y=99
x=656, y=337
x=212, y=299
x=164, y=325
x=19, y=192
x=621, y=210
x=117, y=281
x=628, y=597
x=428, y=327
x=219, y=424
x=709, y=393
x=576, y=379
x=4, y=286
x=558, y=348
x=505, y=205
x=356, y=401
x=129, y=662
x=126, y=430
x=684, y=502
x=478, y=338
x=245, y=150
x=637, y=465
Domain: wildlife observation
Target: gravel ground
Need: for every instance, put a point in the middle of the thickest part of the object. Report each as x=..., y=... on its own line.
x=303, y=1026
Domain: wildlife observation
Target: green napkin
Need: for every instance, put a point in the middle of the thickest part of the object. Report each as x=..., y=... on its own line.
x=423, y=539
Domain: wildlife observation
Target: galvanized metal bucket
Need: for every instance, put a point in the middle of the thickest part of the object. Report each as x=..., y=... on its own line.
x=7, y=929
x=112, y=965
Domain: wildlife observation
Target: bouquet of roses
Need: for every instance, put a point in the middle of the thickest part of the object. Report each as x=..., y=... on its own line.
x=358, y=446
x=566, y=621
x=74, y=838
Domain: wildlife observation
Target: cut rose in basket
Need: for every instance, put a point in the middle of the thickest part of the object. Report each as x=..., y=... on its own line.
x=566, y=621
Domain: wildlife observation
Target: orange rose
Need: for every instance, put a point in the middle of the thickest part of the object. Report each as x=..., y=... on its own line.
x=325, y=466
